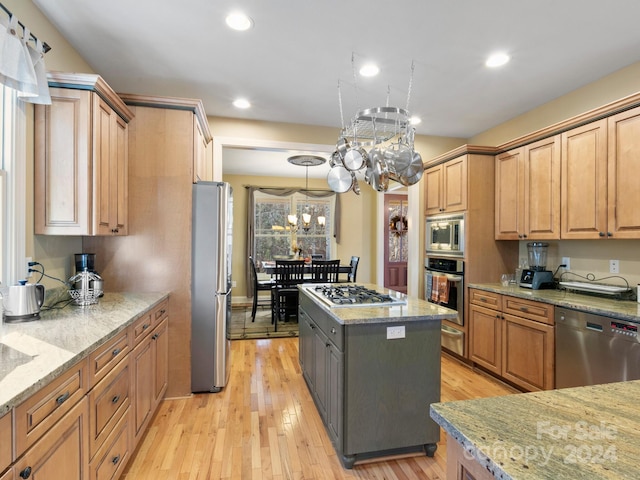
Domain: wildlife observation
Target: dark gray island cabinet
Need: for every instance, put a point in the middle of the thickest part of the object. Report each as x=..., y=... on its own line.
x=373, y=372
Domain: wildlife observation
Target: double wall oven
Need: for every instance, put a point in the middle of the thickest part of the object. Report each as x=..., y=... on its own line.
x=444, y=274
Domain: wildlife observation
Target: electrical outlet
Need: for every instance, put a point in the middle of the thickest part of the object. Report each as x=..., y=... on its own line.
x=395, y=332
x=233, y=284
x=614, y=266
x=567, y=262
x=27, y=273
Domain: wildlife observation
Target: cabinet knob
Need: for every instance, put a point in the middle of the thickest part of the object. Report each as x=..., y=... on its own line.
x=601, y=234
x=114, y=230
x=26, y=473
x=609, y=234
x=116, y=352
x=115, y=459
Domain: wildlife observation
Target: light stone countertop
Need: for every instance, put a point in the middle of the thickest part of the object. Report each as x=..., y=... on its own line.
x=599, y=305
x=588, y=432
x=415, y=309
x=34, y=353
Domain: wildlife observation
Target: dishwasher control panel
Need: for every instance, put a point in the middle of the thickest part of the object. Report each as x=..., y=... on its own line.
x=624, y=328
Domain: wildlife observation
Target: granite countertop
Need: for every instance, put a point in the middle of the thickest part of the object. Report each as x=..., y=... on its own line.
x=584, y=432
x=599, y=305
x=34, y=353
x=415, y=309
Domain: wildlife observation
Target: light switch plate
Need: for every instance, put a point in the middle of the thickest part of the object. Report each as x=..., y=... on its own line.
x=395, y=332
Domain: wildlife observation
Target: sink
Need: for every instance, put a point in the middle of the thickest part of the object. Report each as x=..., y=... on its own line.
x=10, y=358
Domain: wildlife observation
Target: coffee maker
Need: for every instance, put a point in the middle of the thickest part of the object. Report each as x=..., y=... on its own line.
x=88, y=286
x=536, y=276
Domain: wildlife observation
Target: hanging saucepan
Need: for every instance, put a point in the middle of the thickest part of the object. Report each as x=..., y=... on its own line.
x=339, y=179
x=413, y=174
x=354, y=159
x=380, y=174
x=342, y=147
x=402, y=159
x=335, y=159
x=368, y=173
x=354, y=184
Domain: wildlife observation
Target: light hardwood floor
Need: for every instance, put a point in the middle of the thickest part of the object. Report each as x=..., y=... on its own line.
x=264, y=425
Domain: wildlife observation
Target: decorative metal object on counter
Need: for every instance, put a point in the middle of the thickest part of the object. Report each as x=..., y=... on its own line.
x=88, y=288
x=388, y=135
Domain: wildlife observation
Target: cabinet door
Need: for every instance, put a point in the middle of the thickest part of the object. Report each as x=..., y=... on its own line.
x=62, y=171
x=623, y=173
x=454, y=176
x=6, y=440
x=142, y=383
x=160, y=345
x=509, y=193
x=584, y=182
x=202, y=165
x=433, y=190
x=121, y=195
x=335, y=394
x=62, y=453
x=542, y=189
x=528, y=353
x=320, y=349
x=485, y=345
x=306, y=346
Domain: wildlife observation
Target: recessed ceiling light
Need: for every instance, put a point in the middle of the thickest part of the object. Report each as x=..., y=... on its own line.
x=415, y=120
x=369, y=70
x=241, y=103
x=497, y=60
x=239, y=21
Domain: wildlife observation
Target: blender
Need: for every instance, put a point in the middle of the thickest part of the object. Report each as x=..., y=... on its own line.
x=536, y=276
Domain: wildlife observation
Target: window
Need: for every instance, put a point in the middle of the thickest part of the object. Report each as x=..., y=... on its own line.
x=274, y=237
x=12, y=187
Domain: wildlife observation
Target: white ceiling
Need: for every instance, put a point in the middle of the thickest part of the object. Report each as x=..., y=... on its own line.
x=290, y=63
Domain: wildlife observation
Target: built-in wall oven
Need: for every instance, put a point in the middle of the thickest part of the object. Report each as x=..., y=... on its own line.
x=444, y=285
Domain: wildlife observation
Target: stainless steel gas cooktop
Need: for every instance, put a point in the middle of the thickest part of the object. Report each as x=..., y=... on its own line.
x=350, y=295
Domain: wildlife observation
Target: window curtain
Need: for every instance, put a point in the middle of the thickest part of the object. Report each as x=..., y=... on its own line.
x=281, y=192
x=22, y=66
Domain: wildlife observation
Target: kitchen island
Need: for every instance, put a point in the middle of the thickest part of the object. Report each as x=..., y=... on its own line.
x=588, y=432
x=372, y=372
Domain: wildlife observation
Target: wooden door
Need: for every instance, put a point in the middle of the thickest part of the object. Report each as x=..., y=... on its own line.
x=454, y=177
x=509, y=195
x=160, y=347
x=142, y=398
x=433, y=190
x=121, y=160
x=485, y=338
x=103, y=169
x=542, y=189
x=584, y=182
x=623, y=171
x=528, y=353
x=396, y=247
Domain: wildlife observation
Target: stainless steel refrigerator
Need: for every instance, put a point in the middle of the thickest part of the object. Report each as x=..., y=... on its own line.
x=211, y=285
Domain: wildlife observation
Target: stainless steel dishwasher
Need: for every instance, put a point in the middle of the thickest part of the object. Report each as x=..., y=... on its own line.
x=593, y=349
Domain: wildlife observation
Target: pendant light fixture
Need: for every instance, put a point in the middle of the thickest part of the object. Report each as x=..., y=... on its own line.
x=305, y=161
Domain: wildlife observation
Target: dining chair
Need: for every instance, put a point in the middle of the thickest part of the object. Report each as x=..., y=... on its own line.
x=259, y=286
x=324, y=271
x=284, y=296
x=351, y=276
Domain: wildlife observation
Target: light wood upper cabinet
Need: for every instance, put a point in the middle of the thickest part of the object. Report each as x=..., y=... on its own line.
x=584, y=181
x=446, y=187
x=528, y=192
x=203, y=161
x=81, y=159
x=623, y=215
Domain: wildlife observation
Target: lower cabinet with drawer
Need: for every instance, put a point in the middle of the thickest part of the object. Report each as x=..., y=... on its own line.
x=83, y=425
x=513, y=338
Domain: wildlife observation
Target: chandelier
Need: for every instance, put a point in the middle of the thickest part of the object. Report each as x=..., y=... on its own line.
x=292, y=219
x=378, y=141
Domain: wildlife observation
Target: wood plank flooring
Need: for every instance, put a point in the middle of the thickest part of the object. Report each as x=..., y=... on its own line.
x=264, y=425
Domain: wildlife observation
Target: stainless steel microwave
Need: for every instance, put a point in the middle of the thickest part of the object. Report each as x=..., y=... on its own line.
x=445, y=235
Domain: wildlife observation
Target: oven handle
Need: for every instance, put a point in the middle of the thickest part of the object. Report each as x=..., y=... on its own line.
x=453, y=278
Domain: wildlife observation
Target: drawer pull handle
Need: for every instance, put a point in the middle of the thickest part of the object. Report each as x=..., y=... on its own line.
x=524, y=309
x=26, y=473
x=483, y=299
x=115, y=459
x=116, y=351
x=161, y=312
x=145, y=326
x=333, y=330
x=62, y=398
x=115, y=399
x=155, y=336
